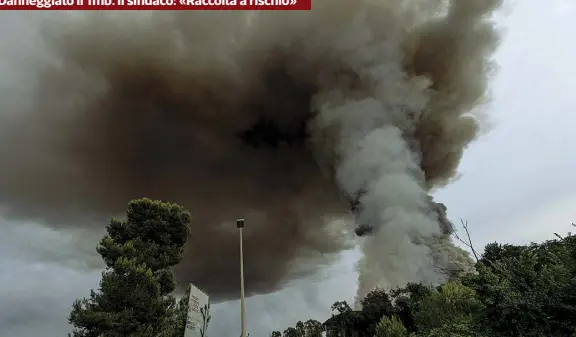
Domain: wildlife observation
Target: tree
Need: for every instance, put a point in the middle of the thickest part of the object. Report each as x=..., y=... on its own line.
x=346, y=321
x=206, y=317
x=453, y=305
x=528, y=290
x=310, y=328
x=134, y=299
x=390, y=327
x=313, y=328
x=407, y=303
x=300, y=329
x=341, y=307
x=291, y=332
x=375, y=305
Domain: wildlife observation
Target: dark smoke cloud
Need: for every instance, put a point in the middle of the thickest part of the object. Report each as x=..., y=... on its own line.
x=226, y=113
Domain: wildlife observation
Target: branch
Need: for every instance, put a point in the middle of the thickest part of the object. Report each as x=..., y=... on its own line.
x=468, y=242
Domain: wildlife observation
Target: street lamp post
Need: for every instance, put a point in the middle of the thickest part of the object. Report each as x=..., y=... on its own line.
x=240, y=225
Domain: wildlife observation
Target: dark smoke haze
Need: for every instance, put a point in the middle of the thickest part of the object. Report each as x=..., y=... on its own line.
x=279, y=118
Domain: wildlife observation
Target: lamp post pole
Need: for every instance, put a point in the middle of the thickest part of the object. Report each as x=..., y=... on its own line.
x=240, y=225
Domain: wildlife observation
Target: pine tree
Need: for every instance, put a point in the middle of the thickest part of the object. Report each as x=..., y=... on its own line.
x=134, y=299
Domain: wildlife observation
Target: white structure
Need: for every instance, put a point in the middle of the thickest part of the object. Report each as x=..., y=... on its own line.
x=198, y=313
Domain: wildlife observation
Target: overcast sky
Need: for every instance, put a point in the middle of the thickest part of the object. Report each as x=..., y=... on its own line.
x=517, y=186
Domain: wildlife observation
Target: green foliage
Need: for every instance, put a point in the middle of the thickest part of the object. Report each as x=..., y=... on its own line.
x=453, y=303
x=300, y=329
x=310, y=328
x=153, y=234
x=528, y=290
x=453, y=330
x=516, y=291
x=390, y=327
x=376, y=304
x=291, y=332
x=176, y=317
x=134, y=299
x=407, y=303
x=341, y=307
x=313, y=328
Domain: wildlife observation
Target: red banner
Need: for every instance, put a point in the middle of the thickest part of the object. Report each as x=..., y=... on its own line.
x=155, y=5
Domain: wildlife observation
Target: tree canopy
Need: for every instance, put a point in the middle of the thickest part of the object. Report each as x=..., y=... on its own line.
x=515, y=291
x=134, y=297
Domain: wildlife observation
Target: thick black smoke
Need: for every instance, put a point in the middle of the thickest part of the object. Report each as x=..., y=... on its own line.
x=248, y=115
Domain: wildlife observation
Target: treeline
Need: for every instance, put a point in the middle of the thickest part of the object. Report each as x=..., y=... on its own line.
x=516, y=291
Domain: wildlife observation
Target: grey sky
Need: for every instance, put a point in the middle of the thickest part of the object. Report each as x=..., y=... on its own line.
x=519, y=177
x=517, y=186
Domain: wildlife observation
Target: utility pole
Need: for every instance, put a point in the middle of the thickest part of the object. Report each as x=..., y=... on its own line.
x=240, y=225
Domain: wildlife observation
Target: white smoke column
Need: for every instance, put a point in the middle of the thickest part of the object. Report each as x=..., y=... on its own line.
x=375, y=161
x=375, y=158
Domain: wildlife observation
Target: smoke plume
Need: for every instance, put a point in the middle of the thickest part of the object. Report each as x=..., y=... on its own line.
x=281, y=118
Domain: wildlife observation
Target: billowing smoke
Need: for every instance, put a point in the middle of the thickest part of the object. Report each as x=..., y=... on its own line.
x=283, y=118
